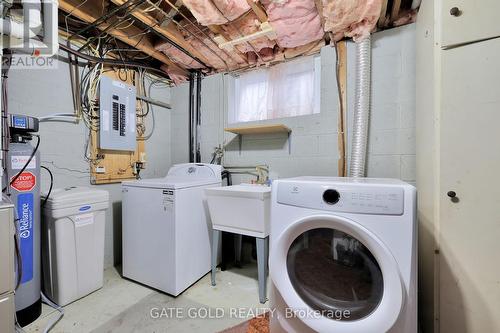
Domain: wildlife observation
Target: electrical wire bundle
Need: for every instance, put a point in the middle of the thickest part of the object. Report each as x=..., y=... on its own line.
x=145, y=108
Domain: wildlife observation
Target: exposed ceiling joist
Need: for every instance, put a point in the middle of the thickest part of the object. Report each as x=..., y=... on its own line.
x=258, y=10
x=168, y=32
x=382, y=21
x=133, y=36
x=396, y=6
x=147, y=24
x=218, y=31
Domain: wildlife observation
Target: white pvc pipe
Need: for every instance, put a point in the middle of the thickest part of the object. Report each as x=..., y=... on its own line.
x=361, y=109
x=32, y=11
x=51, y=27
x=13, y=28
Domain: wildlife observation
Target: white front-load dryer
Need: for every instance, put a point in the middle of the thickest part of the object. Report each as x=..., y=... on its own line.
x=343, y=256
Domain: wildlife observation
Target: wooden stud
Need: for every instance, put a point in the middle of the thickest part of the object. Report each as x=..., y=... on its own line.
x=342, y=54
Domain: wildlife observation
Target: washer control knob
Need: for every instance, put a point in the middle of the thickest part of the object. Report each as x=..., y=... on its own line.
x=331, y=197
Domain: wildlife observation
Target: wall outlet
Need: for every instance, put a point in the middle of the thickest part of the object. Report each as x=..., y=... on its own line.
x=100, y=170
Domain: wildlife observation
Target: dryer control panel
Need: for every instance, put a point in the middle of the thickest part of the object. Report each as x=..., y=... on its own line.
x=346, y=198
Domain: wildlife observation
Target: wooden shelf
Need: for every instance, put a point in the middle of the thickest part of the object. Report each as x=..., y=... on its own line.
x=259, y=129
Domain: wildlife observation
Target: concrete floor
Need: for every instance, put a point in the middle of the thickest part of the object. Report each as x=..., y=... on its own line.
x=125, y=306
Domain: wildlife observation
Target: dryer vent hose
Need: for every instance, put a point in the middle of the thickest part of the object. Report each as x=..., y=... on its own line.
x=362, y=108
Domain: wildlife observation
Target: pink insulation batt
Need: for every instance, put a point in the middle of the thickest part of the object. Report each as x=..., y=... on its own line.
x=208, y=12
x=178, y=56
x=211, y=51
x=351, y=18
x=174, y=75
x=296, y=22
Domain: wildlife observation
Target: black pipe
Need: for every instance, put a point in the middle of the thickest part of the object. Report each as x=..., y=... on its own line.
x=198, y=116
x=191, y=118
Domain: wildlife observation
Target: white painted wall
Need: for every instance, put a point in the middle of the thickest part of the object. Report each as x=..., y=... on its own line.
x=314, y=138
x=43, y=92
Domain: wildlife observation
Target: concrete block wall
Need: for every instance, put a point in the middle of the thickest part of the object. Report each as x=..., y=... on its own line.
x=43, y=92
x=313, y=141
x=392, y=145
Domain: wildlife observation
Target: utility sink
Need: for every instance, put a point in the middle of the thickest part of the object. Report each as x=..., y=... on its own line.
x=242, y=209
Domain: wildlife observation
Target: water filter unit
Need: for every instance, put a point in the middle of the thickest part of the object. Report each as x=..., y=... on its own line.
x=23, y=181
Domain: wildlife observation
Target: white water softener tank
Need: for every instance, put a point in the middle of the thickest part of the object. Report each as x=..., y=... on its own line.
x=73, y=225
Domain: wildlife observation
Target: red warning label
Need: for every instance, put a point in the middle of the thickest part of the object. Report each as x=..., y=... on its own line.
x=25, y=182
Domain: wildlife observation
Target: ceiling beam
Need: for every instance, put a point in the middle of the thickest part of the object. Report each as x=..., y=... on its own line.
x=90, y=11
x=396, y=6
x=168, y=32
x=382, y=21
x=258, y=10
x=217, y=30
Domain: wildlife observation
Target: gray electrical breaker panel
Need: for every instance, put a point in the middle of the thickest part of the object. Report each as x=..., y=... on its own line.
x=117, y=102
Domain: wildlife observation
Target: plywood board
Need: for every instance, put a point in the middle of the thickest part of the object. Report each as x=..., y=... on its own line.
x=118, y=165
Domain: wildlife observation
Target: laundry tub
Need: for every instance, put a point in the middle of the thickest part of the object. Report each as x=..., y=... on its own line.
x=73, y=243
x=241, y=209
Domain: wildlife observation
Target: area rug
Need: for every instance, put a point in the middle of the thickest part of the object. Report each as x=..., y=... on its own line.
x=254, y=325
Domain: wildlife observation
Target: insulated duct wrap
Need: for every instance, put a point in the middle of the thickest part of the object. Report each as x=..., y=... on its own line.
x=362, y=108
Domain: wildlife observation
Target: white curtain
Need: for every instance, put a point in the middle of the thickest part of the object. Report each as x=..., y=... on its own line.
x=285, y=90
x=251, y=91
x=291, y=89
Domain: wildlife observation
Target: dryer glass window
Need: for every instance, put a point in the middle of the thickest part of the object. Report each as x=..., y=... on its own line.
x=335, y=274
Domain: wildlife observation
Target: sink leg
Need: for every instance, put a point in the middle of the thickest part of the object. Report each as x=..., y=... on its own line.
x=262, y=258
x=215, y=247
x=238, y=239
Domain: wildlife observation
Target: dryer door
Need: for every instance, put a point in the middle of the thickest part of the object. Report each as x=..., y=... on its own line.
x=335, y=275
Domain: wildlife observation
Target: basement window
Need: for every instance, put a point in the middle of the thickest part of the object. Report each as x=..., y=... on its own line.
x=286, y=90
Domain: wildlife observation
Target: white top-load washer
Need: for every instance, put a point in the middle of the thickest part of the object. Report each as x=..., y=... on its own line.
x=343, y=255
x=166, y=230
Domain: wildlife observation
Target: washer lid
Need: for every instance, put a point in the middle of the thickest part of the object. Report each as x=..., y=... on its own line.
x=74, y=196
x=325, y=265
x=183, y=176
x=175, y=183
x=196, y=170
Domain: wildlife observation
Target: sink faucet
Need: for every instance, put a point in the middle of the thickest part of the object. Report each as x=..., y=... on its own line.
x=263, y=174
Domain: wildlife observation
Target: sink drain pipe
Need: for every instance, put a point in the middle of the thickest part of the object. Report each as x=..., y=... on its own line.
x=361, y=109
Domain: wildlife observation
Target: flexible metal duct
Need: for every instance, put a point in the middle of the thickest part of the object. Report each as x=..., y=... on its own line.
x=362, y=108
